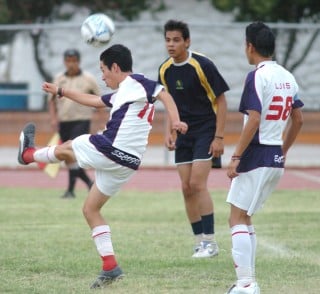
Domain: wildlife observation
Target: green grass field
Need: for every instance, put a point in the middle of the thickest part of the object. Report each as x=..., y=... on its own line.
x=46, y=245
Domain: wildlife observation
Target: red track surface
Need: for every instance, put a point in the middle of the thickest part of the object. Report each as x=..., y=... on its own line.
x=153, y=179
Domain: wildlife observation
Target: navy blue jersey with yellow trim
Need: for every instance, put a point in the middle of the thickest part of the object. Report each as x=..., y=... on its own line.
x=194, y=84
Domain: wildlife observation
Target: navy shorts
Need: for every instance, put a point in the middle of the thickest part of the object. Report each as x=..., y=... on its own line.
x=190, y=147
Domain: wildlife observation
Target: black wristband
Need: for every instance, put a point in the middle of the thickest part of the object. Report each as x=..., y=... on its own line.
x=235, y=157
x=60, y=92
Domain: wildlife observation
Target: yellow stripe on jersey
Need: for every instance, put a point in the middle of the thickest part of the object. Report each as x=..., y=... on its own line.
x=163, y=69
x=204, y=82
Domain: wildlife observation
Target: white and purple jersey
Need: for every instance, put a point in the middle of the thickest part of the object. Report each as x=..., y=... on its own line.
x=272, y=91
x=126, y=135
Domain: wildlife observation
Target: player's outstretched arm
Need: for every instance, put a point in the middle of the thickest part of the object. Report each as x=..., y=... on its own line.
x=82, y=98
x=172, y=112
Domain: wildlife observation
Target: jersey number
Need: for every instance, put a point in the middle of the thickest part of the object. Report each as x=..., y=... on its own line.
x=279, y=111
x=143, y=112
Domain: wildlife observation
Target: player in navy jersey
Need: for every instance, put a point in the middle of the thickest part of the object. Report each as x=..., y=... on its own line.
x=269, y=100
x=198, y=89
x=116, y=153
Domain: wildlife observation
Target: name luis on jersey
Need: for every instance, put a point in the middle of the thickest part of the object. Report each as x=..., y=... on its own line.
x=281, y=86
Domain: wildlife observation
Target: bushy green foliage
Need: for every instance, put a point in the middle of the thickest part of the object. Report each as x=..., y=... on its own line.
x=292, y=11
x=32, y=11
x=45, y=11
x=273, y=11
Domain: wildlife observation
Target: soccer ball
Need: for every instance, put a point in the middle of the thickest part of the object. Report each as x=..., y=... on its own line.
x=97, y=29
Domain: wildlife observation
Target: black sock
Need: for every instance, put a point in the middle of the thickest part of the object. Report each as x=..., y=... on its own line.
x=197, y=228
x=84, y=177
x=72, y=179
x=208, y=224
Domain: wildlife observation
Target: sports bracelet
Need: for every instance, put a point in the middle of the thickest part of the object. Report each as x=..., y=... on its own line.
x=235, y=157
x=60, y=92
x=219, y=137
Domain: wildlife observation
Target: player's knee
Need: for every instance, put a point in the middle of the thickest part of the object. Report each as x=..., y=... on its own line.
x=64, y=152
x=186, y=190
x=196, y=187
x=239, y=218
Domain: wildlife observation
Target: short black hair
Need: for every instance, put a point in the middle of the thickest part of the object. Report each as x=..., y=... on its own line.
x=261, y=37
x=118, y=54
x=71, y=53
x=177, y=25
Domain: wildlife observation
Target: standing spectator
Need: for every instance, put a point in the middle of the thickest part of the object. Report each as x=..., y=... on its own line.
x=269, y=100
x=70, y=118
x=198, y=89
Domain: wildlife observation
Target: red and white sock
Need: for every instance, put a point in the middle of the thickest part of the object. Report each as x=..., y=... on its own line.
x=27, y=155
x=102, y=238
x=46, y=155
x=241, y=254
x=253, y=239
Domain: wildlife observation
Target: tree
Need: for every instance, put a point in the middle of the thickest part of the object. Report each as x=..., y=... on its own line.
x=46, y=11
x=275, y=11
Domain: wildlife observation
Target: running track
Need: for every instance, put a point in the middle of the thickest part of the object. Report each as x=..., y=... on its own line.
x=153, y=179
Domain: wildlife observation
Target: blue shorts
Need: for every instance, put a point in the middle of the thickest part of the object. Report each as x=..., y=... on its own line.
x=193, y=147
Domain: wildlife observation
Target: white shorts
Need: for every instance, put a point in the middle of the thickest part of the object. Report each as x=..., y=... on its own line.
x=250, y=190
x=109, y=175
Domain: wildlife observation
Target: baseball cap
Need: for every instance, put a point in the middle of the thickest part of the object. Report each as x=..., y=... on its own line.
x=71, y=53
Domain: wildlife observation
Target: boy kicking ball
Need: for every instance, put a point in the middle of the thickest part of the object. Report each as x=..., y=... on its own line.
x=116, y=153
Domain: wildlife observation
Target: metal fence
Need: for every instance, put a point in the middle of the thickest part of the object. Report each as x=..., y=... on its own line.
x=222, y=42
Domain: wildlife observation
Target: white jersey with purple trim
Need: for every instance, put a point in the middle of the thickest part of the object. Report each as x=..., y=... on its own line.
x=273, y=92
x=126, y=135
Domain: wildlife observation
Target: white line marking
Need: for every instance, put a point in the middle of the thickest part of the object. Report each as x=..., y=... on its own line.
x=284, y=252
x=306, y=176
x=277, y=248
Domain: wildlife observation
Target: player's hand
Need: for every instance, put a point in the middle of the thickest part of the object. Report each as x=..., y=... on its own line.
x=216, y=148
x=180, y=127
x=170, y=142
x=49, y=88
x=232, y=169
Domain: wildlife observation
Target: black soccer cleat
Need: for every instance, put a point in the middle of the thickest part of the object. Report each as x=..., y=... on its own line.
x=107, y=277
x=26, y=140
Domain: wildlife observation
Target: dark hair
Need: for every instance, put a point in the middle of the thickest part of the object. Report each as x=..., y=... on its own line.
x=118, y=54
x=71, y=53
x=176, y=25
x=261, y=37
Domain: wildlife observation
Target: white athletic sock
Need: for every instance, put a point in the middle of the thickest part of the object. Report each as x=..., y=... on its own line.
x=102, y=238
x=46, y=155
x=253, y=238
x=208, y=237
x=197, y=239
x=241, y=254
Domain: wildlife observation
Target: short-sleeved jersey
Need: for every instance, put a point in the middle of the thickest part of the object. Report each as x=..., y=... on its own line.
x=194, y=84
x=272, y=91
x=126, y=135
x=68, y=110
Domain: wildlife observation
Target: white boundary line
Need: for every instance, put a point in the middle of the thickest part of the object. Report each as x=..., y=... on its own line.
x=306, y=176
x=284, y=252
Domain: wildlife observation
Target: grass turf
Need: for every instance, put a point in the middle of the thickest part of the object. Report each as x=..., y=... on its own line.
x=46, y=245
